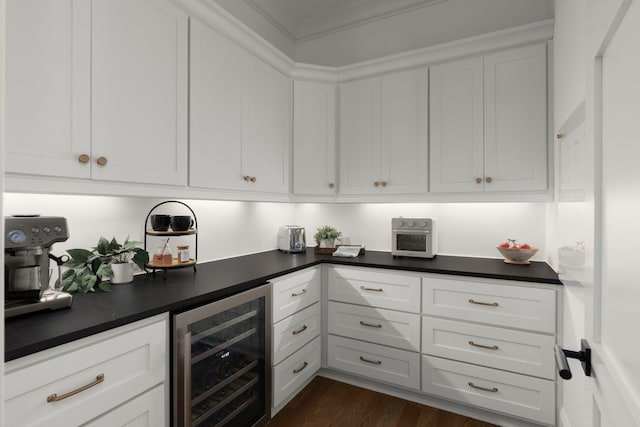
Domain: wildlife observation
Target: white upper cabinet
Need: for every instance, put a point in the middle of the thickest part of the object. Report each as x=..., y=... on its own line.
x=97, y=90
x=139, y=91
x=48, y=95
x=488, y=123
x=240, y=117
x=383, y=141
x=314, y=138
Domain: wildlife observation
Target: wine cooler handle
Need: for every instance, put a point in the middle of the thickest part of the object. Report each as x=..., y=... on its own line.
x=186, y=379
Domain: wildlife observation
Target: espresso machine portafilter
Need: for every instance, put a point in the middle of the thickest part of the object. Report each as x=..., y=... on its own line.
x=27, y=242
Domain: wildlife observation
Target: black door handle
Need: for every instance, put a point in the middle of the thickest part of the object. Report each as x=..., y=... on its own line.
x=584, y=356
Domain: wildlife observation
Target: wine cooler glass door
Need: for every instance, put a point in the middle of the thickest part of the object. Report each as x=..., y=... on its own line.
x=222, y=374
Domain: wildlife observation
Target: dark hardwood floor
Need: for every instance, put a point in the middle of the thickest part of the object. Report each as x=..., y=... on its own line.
x=325, y=402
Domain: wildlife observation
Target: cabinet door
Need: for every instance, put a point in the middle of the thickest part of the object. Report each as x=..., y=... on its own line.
x=215, y=143
x=314, y=138
x=456, y=127
x=139, y=91
x=266, y=131
x=515, y=134
x=48, y=87
x=403, y=137
x=360, y=136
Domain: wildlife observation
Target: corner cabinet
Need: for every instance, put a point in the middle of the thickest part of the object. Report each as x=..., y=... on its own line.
x=239, y=117
x=118, y=377
x=314, y=139
x=488, y=123
x=383, y=134
x=90, y=126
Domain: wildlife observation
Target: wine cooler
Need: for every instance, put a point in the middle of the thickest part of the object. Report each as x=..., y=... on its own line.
x=221, y=362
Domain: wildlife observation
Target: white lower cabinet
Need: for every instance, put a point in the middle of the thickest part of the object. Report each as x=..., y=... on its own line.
x=101, y=375
x=292, y=373
x=514, y=394
x=398, y=367
x=295, y=331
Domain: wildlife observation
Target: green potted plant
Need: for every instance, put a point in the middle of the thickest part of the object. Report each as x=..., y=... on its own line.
x=326, y=236
x=109, y=262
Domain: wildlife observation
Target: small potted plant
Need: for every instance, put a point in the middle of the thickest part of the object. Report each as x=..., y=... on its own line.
x=109, y=262
x=326, y=236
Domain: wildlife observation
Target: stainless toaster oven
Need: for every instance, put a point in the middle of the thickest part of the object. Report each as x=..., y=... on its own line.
x=414, y=237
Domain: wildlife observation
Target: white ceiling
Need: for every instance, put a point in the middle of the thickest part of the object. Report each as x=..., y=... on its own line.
x=302, y=20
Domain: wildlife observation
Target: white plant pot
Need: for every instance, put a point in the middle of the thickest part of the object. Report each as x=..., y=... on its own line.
x=122, y=273
x=327, y=243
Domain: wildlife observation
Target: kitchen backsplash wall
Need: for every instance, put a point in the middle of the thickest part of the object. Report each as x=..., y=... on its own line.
x=229, y=228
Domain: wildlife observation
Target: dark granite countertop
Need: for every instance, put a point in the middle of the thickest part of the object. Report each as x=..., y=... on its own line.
x=182, y=289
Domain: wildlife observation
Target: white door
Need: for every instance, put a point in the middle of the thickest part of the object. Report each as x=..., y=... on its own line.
x=403, y=132
x=314, y=138
x=515, y=119
x=48, y=99
x=139, y=91
x=360, y=136
x=456, y=127
x=215, y=115
x=613, y=111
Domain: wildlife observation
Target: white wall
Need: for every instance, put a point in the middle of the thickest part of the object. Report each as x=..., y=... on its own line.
x=428, y=26
x=229, y=229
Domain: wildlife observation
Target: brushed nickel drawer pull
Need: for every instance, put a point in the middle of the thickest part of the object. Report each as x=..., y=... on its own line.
x=491, y=304
x=304, y=365
x=370, y=325
x=492, y=390
x=297, y=294
x=301, y=330
x=55, y=398
x=489, y=347
x=373, y=362
x=364, y=288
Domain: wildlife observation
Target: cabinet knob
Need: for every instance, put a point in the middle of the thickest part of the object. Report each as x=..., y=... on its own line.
x=253, y=179
x=383, y=183
x=560, y=135
x=488, y=179
x=332, y=185
x=376, y=184
x=246, y=178
x=478, y=180
x=84, y=158
x=102, y=161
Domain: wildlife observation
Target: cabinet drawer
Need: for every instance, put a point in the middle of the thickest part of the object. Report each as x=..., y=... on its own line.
x=295, y=291
x=146, y=410
x=294, y=371
x=375, y=288
x=132, y=359
x=377, y=325
x=512, y=394
x=295, y=331
x=394, y=366
x=517, y=351
x=502, y=305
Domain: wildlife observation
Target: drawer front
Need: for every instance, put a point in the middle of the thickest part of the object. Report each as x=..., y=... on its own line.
x=506, y=349
x=295, y=331
x=513, y=394
x=391, y=365
x=131, y=363
x=295, y=371
x=386, y=327
x=294, y=292
x=502, y=305
x=146, y=410
x=375, y=288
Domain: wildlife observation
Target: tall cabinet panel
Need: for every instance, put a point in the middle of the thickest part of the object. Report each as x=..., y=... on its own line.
x=515, y=133
x=216, y=110
x=140, y=47
x=359, y=136
x=48, y=96
x=314, y=138
x=456, y=126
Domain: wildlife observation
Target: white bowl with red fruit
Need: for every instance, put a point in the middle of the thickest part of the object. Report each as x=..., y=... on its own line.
x=515, y=253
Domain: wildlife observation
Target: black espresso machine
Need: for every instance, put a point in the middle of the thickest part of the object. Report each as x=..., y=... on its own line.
x=27, y=244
